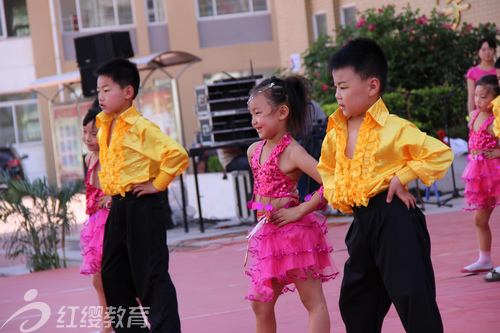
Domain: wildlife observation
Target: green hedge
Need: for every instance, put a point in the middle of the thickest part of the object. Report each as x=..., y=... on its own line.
x=429, y=118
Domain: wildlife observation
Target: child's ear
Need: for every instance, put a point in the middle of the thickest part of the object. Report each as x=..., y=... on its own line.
x=129, y=92
x=373, y=87
x=284, y=111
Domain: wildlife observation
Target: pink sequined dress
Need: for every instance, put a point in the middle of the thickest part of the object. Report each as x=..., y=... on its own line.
x=92, y=233
x=481, y=175
x=288, y=252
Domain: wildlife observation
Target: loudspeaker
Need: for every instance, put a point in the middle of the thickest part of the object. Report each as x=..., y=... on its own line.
x=89, y=81
x=94, y=50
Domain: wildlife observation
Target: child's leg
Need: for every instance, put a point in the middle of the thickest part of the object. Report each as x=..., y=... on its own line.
x=403, y=258
x=97, y=283
x=149, y=260
x=265, y=317
x=313, y=298
x=363, y=299
x=116, y=273
x=484, y=263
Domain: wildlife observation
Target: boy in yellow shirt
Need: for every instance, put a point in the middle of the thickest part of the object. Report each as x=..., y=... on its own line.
x=137, y=161
x=368, y=157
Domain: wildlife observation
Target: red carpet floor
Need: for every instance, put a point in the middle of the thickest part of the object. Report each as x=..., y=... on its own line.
x=211, y=283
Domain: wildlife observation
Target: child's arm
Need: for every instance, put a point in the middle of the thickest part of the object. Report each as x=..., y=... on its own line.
x=307, y=164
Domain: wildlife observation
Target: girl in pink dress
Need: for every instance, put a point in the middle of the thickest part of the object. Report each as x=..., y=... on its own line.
x=92, y=233
x=289, y=244
x=486, y=50
x=482, y=174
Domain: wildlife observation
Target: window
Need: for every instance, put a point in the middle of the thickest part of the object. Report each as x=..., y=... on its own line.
x=211, y=8
x=320, y=28
x=156, y=11
x=14, y=18
x=85, y=14
x=19, y=119
x=348, y=15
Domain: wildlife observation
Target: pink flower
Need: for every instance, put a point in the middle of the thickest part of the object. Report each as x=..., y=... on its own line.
x=447, y=26
x=324, y=87
x=422, y=20
x=435, y=36
x=361, y=23
x=404, y=28
x=411, y=28
x=380, y=10
x=389, y=6
x=371, y=27
x=411, y=38
x=431, y=47
x=464, y=32
x=318, y=74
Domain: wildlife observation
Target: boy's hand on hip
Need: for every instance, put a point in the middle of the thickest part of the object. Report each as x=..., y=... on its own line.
x=395, y=187
x=144, y=188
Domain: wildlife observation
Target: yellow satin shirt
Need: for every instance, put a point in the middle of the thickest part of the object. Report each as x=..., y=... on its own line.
x=496, y=112
x=138, y=152
x=386, y=145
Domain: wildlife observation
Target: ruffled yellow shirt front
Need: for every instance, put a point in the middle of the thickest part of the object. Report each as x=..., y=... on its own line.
x=496, y=112
x=386, y=145
x=138, y=152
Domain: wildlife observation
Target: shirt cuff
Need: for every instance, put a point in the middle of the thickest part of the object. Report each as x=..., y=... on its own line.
x=161, y=182
x=406, y=175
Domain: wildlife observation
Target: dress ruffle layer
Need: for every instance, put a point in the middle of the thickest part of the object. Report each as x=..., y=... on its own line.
x=286, y=253
x=91, y=239
x=482, y=188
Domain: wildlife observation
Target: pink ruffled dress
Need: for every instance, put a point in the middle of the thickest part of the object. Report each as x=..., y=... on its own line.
x=288, y=252
x=481, y=175
x=92, y=233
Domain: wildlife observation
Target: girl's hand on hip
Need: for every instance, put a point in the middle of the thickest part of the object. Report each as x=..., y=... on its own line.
x=491, y=153
x=144, y=188
x=284, y=216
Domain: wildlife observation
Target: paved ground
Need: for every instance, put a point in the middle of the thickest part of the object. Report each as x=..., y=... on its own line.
x=208, y=272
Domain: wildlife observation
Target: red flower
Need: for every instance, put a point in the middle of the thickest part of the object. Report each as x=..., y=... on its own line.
x=380, y=10
x=422, y=20
x=324, y=87
x=431, y=47
x=389, y=6
x=361, y=23
x=411, y=38
x=371, y=27
x=318, y=74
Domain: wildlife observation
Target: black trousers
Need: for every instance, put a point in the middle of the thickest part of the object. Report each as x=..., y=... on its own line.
x=135, y=264
x=389, y=262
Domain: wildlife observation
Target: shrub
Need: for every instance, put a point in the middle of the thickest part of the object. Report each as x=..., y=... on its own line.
x=421, y=51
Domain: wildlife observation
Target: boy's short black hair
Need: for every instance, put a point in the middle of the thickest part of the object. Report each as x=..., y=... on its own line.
x=365, y=57
x=491, y=82
x=497, y=64
x=121, y=71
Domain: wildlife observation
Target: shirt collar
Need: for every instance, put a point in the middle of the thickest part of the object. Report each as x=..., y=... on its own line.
x=378, y=111
x=495, y=102
x=130, y=116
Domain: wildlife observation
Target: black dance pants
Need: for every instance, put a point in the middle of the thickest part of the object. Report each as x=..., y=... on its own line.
x=389, y=262
x=135, y=265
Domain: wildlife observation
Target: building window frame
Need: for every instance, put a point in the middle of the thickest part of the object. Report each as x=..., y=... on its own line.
x=156, y=12
x=315, y=24
x=216, y=15
x=343, y=14
x=13, y=105
x=78, y=25
x=24, y=30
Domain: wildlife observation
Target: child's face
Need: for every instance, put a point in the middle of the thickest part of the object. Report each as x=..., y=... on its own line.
x=354, y=95
x=264, y=119
x=89, y=136
x=483, y=97
x=112, y=98
x=486, y=53
x=498, y=75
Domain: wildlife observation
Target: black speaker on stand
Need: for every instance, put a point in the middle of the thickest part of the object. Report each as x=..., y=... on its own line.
x=94, y=50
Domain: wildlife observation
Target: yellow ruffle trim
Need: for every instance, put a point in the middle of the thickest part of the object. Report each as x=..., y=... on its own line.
x=112, y=158
x=353, y=175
